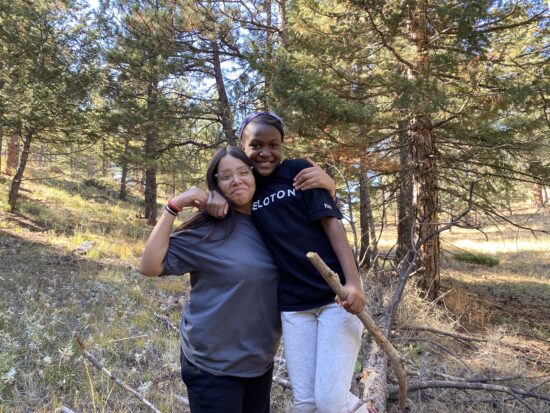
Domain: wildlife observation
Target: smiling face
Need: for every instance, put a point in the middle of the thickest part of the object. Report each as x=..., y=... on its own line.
x=236, y=181
x=263, y=145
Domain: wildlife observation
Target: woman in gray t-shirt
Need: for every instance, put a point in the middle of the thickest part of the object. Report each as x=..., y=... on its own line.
x=230, y=328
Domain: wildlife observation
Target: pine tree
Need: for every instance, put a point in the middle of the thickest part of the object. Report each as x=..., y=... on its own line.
x=430, y=81
x=48, y=53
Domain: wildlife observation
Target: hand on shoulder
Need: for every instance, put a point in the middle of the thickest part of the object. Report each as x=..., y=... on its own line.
x=313, y=177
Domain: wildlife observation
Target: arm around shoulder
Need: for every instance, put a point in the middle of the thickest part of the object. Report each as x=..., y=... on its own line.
x=314, y=177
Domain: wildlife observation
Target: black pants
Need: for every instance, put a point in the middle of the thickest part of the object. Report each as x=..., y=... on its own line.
x=225, y=394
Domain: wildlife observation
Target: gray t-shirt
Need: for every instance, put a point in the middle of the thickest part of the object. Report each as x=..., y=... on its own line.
x=231, y=324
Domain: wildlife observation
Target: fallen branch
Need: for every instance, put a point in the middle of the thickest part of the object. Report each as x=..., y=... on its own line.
x=115, y=379
x=165, y=319
x=395, y=358
x=464, y=385
x=465, y=338
x=443, y=333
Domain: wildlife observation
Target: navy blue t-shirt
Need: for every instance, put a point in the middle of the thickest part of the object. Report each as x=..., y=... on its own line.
x=288, y=220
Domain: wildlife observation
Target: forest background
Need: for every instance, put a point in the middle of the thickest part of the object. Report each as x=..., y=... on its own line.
x=432, y=117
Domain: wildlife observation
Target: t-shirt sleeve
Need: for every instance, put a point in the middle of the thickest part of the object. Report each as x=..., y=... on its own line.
x=319, y=203
x=181, y=257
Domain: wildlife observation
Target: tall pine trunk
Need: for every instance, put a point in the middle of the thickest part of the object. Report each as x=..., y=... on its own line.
x=90, y=168
x=1, y=145
x=268, y=55
x=18, y=177
x=425, y=175
x=224, y=108
x=368, y=244
x=538, y=195
x=151, y=137
x=124, y=173
x=405, y=197
x=364, y=256
x=104, y=160
x=283, y=29
x=424, y=154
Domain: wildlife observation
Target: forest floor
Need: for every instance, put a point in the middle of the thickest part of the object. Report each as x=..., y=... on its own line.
x=68, y=264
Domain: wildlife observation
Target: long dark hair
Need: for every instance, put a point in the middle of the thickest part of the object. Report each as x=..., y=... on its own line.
x=202, y=217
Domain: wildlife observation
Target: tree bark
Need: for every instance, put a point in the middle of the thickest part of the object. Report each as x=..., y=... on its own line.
x=268, y=55
x=223, y=101
x=124, y=173
x=405, y=197
x=1, y=145
x=368, y=217
x=90, y=168
x=18, y=177
x=538, y=195
x=151, y=153
x=283, y=30
x=364, y=254
x=376, y=385
x=424, y=153
x=104, y=160
x=425, y=176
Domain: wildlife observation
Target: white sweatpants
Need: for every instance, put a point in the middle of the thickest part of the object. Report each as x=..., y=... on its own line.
x=321, y=347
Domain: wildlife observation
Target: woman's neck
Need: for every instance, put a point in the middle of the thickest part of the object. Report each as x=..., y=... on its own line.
x=245, y=209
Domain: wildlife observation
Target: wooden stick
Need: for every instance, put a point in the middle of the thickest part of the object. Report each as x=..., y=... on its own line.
x=114, y=378
x=395, y=358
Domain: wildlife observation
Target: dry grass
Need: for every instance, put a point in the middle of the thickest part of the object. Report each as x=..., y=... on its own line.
x=47, y=292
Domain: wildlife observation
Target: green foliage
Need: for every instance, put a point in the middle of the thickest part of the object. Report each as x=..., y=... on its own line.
x=477, y=258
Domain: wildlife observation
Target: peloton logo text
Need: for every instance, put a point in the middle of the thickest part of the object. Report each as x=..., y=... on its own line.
x=272, y=198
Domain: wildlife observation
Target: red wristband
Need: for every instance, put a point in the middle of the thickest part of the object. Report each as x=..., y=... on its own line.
x=173, y=206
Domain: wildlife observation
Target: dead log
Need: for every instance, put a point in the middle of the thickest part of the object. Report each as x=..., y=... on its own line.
x=377, y=385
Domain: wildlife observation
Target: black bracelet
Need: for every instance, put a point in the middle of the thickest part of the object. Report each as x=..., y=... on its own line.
x=170, y=211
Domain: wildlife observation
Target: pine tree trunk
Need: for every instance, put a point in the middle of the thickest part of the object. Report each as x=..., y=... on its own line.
x=104, y=160
x=150, y=154
x=405, y=197
x=90, y=168
x=1, y=145
x=369, y=217
x=223, y=101
x=283, y=30
x=538, y=195
x=364, y=252
x=124, y=173
x=424, y=153
x=268, y=55
x=13, y=152
x=18, y=177
x=141, y=180
x=425, y=176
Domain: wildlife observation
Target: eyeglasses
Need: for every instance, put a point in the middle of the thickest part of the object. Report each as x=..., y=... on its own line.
x=227, y=176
